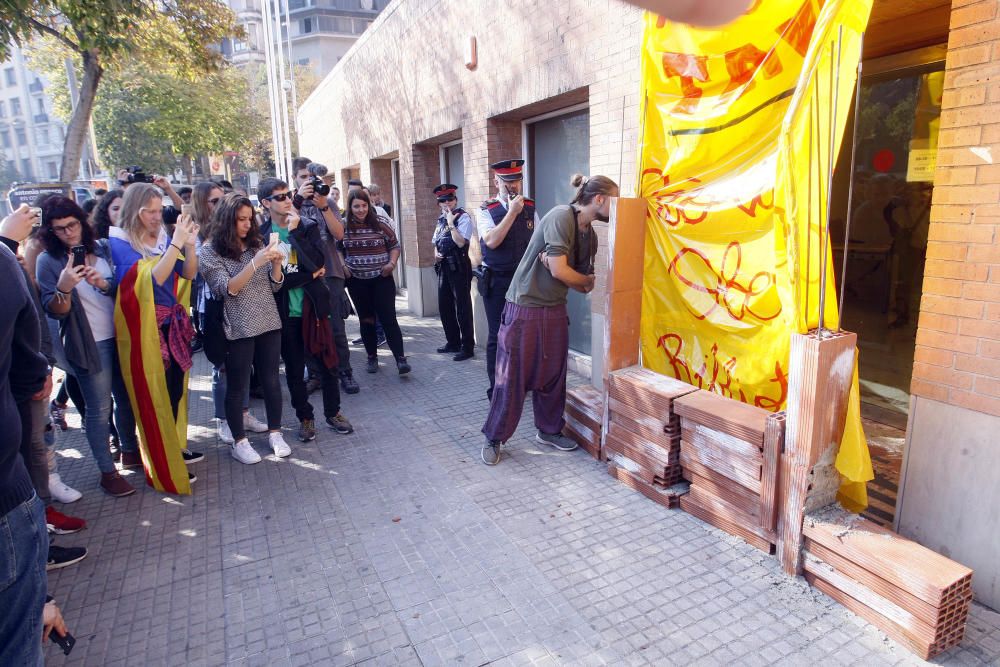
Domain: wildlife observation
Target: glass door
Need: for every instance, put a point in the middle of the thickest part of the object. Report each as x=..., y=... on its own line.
x=895, y=137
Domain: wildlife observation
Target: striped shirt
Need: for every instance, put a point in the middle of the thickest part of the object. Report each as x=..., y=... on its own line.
x=367, y=251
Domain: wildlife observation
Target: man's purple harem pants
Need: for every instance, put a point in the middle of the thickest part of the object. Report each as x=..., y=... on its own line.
x=533, y=347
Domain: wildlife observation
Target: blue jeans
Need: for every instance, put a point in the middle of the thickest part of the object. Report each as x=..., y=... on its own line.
x=97, y=391
x=24, y=549
x=219, y=392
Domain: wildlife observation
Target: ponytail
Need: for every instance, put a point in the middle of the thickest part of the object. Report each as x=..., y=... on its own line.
x=588, y=187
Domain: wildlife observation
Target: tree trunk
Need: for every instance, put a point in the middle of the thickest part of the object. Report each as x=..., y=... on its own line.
x=186, y=168
x=79, y=123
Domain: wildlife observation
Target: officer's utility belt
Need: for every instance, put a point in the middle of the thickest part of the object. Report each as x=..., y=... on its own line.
x=488, y=277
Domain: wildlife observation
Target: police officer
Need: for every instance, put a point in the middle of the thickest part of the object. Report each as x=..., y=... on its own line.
x=454, y=271
x=505, y=227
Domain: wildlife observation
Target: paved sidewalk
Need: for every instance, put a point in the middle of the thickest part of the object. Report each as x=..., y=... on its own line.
x=396, y=545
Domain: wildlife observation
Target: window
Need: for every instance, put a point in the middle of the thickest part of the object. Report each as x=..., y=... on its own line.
x=26, y=169
x=305, y=26
x=11, y=77
x=41, y=105
x=252, y=41
x=42, y=135
x=15, y=107
x=5, y=138
x=22, y=136
x=453, y=166
x=11, y=167
x=304, y=62
x=239, y=45
x=560, y=145
x=3, y=109
x=53, y=170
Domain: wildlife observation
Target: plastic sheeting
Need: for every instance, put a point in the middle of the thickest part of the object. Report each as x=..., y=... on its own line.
x=735, y=165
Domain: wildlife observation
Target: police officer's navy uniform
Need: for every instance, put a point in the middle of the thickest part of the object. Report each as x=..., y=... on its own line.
x=500, y=263
x=454, y=271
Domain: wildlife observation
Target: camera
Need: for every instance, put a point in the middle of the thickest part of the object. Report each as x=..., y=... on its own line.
x=318, y=171
x=319, y=187
x=136, y=174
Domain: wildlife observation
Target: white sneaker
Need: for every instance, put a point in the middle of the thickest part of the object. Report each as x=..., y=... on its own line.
x=225, y=435
x=244, y=453
x=278, y=444
x=62, y=492
x=253, y=424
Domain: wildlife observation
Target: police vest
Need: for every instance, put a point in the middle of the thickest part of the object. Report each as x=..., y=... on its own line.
x=506, y=256
x=442, y=237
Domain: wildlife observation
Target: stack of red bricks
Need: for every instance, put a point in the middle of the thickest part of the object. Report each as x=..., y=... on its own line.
x=722, y=453
x=916, y=596
x=643, y=441
x=584, y=414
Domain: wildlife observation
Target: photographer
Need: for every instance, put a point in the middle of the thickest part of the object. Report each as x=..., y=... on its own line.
x=454, y=272
x=312, y=201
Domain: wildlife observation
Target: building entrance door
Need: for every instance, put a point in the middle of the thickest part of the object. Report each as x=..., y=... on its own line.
x=895, y=138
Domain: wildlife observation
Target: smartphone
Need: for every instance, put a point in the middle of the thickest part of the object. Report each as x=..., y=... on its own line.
x=66, y=642
x=274, y=238
x=37, y=212
x=187, y=209
x=79, y=255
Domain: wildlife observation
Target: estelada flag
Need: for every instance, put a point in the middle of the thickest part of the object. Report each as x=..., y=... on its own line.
x=734, y=165
x=161, y=436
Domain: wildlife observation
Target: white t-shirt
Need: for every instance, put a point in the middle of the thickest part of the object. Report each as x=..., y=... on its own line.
x=100, y=309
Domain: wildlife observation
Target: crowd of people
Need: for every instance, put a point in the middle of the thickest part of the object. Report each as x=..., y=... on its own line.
x=120, y=296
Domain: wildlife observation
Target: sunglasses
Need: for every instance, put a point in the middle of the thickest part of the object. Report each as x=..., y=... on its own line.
x=279, y=197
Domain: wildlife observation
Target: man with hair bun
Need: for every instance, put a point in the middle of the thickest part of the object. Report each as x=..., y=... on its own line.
x=534, y=335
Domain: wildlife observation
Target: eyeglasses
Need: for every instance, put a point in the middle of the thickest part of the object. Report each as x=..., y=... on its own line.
x=279, y=197
x=67, y=228
x=215, y=201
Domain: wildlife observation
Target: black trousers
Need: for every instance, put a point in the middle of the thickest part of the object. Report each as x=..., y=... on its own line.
x=455, y=304
x=262, y=352
x=174, y=377
x=293, y=352
x=376, y=297
x=494, y=303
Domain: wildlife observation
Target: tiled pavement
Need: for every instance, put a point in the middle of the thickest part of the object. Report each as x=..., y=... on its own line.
x=396, y=545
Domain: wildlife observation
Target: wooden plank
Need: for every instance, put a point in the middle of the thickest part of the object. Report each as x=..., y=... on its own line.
x=668, y=498
x=774, y=440
x=730, y=416
x=697, y=434
x=894, y=613
x=901, y=562
x=731, y=465
x=925, y=611
x=921, y=648
x=708, y=516
x=734, y=494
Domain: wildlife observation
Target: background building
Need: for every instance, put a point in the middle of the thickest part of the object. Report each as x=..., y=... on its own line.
x=31, y=137
x=322, y=31
x=460, y=85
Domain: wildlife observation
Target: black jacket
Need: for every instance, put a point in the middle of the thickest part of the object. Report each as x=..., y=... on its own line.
x=305, y=240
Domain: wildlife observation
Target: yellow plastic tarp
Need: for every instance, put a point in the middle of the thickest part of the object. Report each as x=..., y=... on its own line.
x=734, y=164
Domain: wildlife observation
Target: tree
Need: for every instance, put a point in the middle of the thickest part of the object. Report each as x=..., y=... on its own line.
x=109, y=35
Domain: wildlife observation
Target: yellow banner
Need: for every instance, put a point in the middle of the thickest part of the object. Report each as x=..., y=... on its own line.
x=734, y=164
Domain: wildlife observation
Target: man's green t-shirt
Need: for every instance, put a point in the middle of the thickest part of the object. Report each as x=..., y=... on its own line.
x=556, y=234
x=291, y=266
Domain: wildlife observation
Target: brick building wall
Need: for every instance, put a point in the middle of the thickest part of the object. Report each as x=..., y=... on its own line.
x=952, y=451
x=403, y=90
